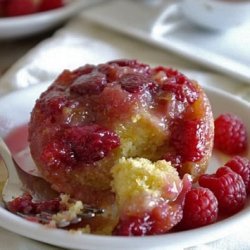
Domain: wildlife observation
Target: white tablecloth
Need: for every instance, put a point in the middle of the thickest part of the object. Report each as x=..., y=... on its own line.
x=81, y=42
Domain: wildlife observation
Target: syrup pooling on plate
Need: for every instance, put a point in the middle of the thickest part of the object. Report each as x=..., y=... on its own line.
x=17, y=141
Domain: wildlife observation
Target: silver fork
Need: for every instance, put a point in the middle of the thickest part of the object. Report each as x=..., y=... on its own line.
x=14, y=187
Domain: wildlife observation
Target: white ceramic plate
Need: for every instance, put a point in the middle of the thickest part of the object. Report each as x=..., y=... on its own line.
x=15, y=110
x=22, y=26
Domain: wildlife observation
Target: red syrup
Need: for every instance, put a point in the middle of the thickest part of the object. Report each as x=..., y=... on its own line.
x=17, y=141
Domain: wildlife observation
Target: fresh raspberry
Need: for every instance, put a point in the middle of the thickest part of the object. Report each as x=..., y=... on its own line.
x=46, y=5
x=228, y=187
x=19, y=7
x=200, y=208
x=230, y=134
x=241, y=166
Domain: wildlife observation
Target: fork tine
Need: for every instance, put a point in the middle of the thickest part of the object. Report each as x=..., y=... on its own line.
x=87, y=208
x=87, y=215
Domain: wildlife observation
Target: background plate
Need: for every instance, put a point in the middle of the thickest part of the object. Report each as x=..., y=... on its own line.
x=22, y=26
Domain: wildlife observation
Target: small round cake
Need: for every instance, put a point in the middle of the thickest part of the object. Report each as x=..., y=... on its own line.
x=92, y=117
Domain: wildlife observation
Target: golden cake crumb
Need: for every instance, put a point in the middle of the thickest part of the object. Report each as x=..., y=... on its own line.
x=142, y=137
x=73, y=209
x=134, y=178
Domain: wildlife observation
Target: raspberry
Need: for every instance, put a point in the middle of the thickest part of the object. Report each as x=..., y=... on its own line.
x=58, y=154
x=90, y=143
x=182, y=89
x=200, y=208
x=85, y=144
x=46, y=5
x=19, y=7
x=92, y=83
x=21, y=204
x=160, y=220
x=228, y=187
x=134, y=83
x=241, y=166
x=169, y=72
x=134, y=64
x=133, y=226
x=189, y=139
x=230, y=134
x=52, y=107
x=86, y=69
x=178, y=84
x=25, y=204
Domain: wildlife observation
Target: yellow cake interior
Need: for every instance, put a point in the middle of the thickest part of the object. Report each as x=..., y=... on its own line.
x=142, y=137
x=140, y=184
